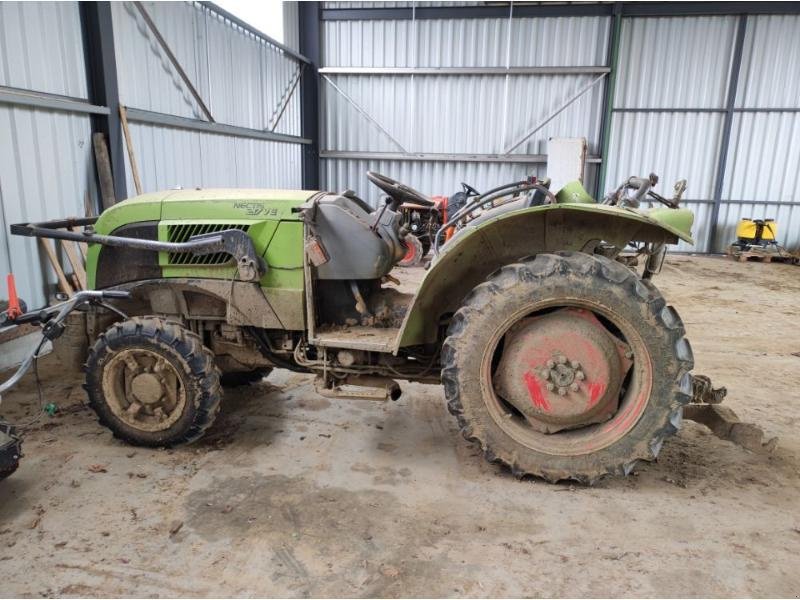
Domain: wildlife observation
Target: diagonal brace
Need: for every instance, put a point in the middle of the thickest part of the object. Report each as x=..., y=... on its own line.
x=364, y=113
x=554, y=114
x=284, y=102
x=152, y=26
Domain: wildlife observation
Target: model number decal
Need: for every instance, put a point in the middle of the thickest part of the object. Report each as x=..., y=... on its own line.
x=255, y=209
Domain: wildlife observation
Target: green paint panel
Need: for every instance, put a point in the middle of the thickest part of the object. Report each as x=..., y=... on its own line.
x=285, y=249
x=142, y=208
x=255, y=205
x=679, y=219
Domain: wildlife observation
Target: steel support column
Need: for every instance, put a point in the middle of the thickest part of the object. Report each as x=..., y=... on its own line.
x=733, y=82
x=612, y=61
x=310, y=39
x=101, y=71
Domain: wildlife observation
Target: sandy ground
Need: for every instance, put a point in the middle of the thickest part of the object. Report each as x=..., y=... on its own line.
x=295, y=495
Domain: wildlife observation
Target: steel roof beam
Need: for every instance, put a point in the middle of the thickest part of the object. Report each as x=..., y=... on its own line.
x=501, y=11
x=137, y=115
x=464, y=71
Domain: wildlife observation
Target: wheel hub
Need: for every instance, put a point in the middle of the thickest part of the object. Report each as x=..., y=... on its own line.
x=147, y=388
x=143, y=389
x=562, y=370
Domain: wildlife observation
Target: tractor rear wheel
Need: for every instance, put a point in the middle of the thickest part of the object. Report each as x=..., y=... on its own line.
x=567, y=366
x=153, y=382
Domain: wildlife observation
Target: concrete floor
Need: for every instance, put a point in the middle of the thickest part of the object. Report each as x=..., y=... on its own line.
x=294, y=495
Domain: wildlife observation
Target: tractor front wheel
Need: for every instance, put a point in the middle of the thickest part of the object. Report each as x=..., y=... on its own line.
x=153, y=382
x=567, y=366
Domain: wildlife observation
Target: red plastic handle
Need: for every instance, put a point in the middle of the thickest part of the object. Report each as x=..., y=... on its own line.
x=14, y=310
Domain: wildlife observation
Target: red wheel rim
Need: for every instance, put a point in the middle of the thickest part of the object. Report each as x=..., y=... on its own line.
x=585, y=432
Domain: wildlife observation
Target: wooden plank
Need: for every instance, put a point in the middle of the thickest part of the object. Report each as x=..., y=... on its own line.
x=81, y=245
x=76, y=261
x=103, y=164
x=123, y=114
x=63, y=283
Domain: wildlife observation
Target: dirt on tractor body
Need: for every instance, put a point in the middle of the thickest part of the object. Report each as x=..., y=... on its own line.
x=292, y=494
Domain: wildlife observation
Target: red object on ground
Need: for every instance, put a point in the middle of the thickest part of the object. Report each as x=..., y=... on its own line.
x=13, y=310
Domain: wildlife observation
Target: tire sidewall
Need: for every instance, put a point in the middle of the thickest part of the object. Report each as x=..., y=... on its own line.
x=194, y=380
x=604, y=284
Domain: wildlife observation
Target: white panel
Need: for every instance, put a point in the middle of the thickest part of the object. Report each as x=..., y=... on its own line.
x=461, y=43
x=367, y=43
x=764, y=157
x=771, y=63
x=170, y=158
x=672, y=145
x=146, y=77
x=559, y=41
x=242, y=79
x=677, y=62
x=41, y=47
x=533, y=99
x=387, y=99
x=46, y=171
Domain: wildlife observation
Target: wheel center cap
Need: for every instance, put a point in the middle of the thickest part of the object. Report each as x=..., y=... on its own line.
x=562, y=370
x=562, y=375
x=147, y=388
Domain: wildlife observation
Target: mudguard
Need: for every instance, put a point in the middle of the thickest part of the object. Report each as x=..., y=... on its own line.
x=478, y=250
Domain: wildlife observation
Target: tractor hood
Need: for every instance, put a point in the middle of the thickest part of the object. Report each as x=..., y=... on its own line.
x=215, y=204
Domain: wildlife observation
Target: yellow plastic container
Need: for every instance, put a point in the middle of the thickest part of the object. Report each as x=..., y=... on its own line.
x=757, y=230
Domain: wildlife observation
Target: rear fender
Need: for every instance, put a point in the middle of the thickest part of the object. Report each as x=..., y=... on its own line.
x=477, y=251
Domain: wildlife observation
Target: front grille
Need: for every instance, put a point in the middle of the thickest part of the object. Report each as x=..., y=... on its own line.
x=182, y=233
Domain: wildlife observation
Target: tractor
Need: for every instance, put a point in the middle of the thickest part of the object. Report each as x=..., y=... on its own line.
x=558, y=359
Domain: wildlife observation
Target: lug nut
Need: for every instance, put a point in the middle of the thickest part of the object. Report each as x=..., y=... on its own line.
x=575, y=364
x=562, y=391
x=574, y=387
x=629, y=354
x=550, y=364
x=545, y=374
x=580, y=376
x=550, y=387
x=562, y=360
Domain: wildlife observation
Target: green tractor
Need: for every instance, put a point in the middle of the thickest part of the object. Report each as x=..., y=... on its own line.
x=557, y=357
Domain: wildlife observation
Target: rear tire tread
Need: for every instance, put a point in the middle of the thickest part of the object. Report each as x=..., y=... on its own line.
x=538, y=268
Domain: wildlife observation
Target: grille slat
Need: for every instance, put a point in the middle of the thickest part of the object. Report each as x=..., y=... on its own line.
x=182, y=233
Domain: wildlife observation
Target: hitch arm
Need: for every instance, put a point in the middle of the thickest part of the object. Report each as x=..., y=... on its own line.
x=234, y=242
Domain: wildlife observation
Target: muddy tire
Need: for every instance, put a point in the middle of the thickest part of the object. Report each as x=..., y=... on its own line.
x=653, y=363
x=414, y=253
x=242, y=378
x=152, y=382
x=10, y=450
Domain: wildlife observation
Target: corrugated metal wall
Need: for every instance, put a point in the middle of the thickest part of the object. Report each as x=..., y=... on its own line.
x=243, y=81
x=46, y=162
x=434, y=114
x=761, y=178
x=665, y=64
x=670, y=97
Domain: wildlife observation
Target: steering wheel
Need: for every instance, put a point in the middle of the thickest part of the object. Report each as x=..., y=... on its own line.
x=469, y=190
x=399, y=192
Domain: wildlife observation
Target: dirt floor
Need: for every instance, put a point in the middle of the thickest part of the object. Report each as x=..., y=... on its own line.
x=295, y=495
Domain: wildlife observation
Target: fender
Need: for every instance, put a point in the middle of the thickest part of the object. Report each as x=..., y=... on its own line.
x=477, y=251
